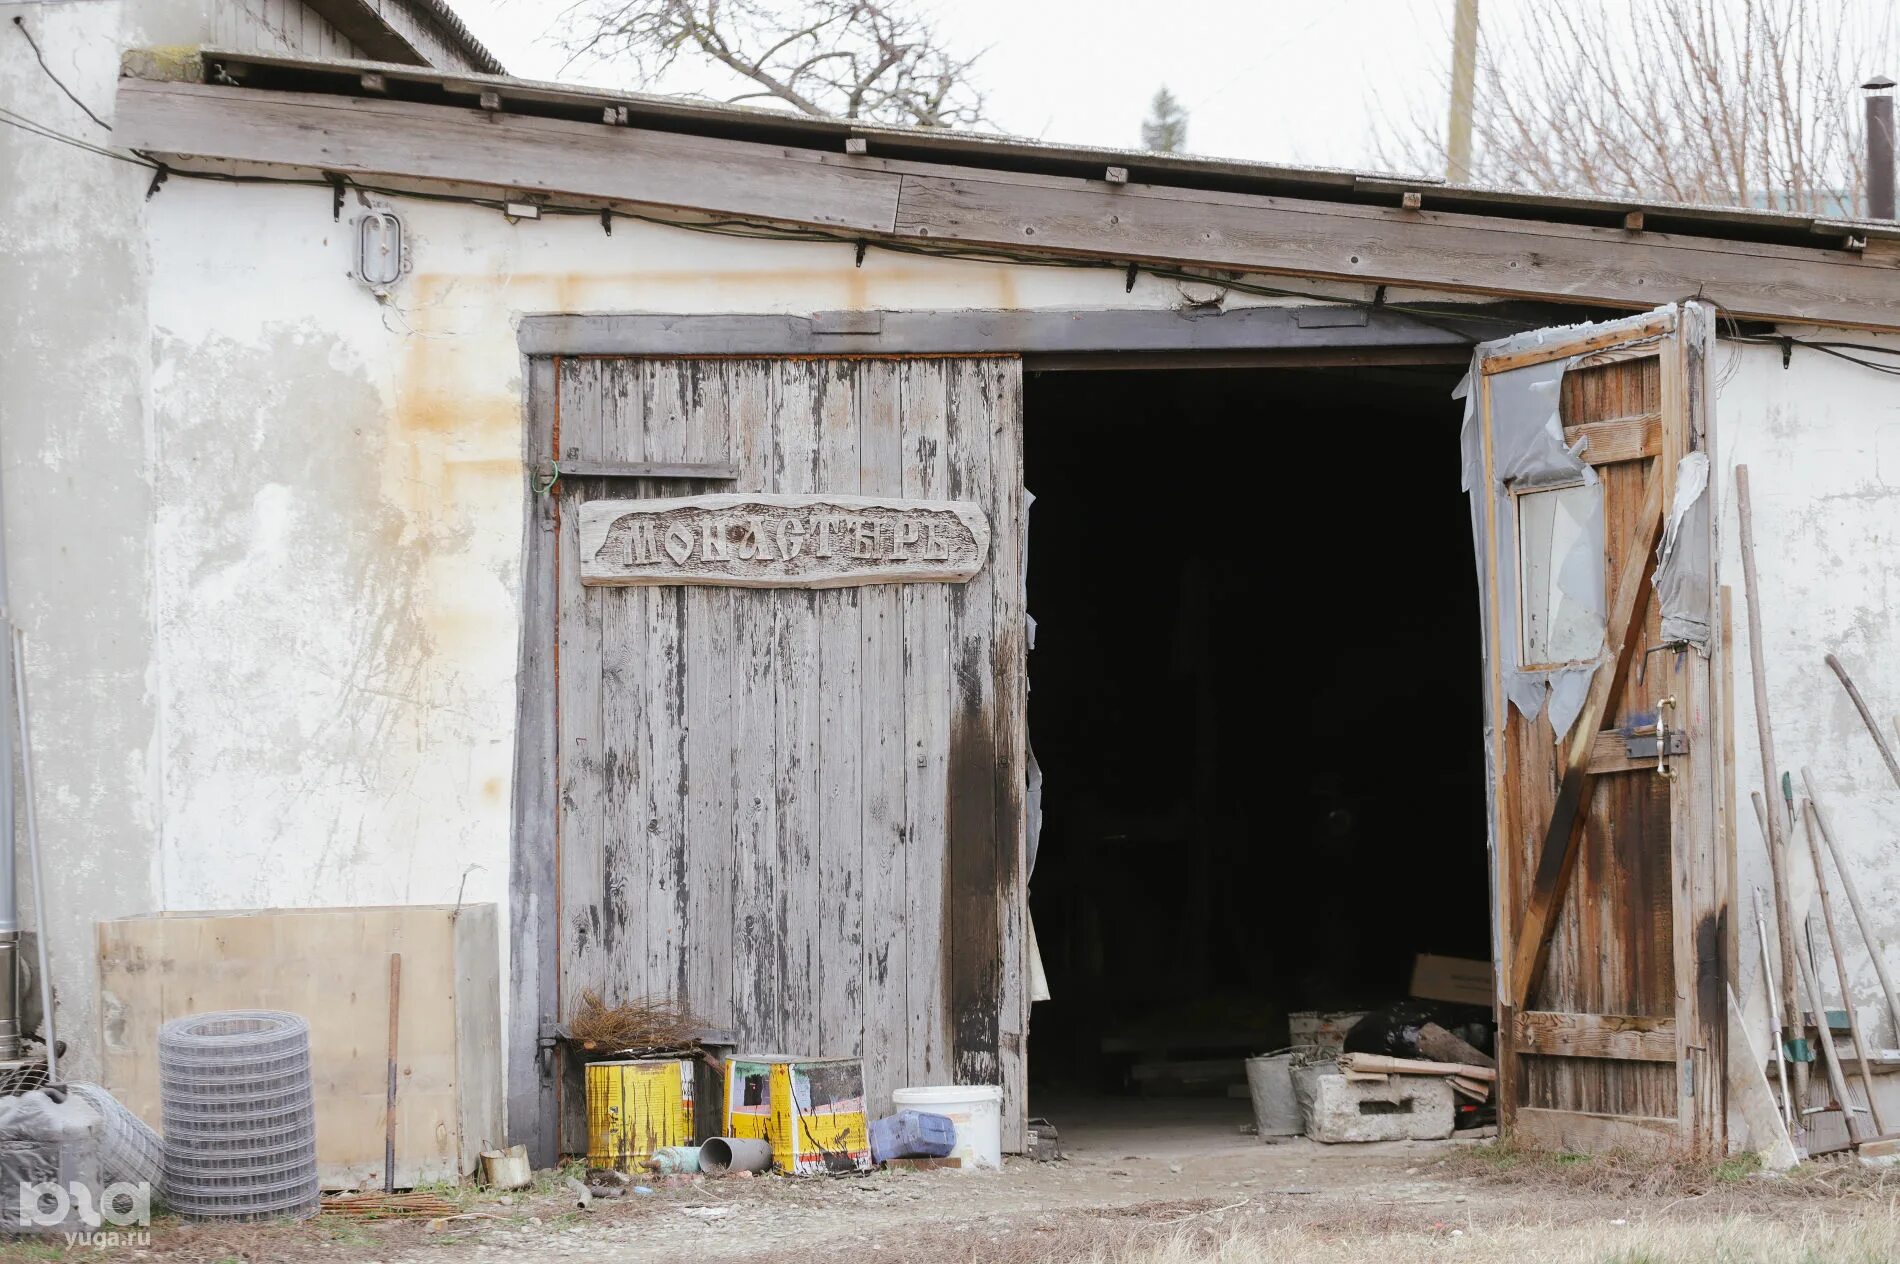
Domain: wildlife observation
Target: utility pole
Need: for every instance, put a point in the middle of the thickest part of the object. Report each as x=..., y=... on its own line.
x=1464, y=80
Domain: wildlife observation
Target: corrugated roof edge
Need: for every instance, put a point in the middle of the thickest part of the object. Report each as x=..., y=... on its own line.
x=980, y=149
x=452, y=25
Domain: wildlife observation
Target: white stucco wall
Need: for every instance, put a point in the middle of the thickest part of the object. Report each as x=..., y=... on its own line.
x=75, y=454
x=1821, y=439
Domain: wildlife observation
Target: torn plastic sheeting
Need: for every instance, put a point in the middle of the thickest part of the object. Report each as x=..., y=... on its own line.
x=1528, y=453
x=1682, y=560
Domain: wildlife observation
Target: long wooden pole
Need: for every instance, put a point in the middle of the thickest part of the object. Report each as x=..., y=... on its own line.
x=1866, y=717
x=1772, y=822
x=1875, y=948
x=1464, y=83
x=1836, y=1080
x=389, y=1099
x=1808, y=818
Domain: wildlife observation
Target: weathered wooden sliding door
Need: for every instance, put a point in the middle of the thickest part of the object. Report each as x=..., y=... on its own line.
x=799, y=811
x=1609, y=878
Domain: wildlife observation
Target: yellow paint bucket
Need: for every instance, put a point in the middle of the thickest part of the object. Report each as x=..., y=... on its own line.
x=636, y=1107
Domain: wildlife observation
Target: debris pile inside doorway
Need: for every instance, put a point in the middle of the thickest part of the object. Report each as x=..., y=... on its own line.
x=1412, y=1070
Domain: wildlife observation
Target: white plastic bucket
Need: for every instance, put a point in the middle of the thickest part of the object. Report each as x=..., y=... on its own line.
x=976, y=1110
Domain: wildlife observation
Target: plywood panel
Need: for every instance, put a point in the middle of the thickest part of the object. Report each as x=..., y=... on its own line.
x=332, y=967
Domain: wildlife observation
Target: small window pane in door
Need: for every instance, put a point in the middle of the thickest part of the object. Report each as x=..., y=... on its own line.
x=1556, y=627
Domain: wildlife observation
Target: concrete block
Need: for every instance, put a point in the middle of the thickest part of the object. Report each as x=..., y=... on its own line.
x=1404, y=1108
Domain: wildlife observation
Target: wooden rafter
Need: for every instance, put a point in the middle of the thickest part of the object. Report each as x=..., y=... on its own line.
x=875, y=199
x=1558, y=856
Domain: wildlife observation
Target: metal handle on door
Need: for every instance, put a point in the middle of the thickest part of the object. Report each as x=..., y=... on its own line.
x=1662, y=736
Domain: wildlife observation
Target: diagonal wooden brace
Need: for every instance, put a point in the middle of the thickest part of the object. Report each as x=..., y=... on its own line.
x=1558, y=858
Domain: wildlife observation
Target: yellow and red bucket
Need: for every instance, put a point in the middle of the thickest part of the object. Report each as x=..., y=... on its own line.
x=811, y=1111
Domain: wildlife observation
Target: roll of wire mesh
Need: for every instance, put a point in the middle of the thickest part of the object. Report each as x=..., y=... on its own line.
x=129, y=1151
x=240, y=1116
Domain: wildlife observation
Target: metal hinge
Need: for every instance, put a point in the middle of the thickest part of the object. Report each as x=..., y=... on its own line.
x=545, y=1042
x=548, y=473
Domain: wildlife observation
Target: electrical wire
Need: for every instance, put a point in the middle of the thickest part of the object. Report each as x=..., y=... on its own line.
x=1449, y=322
x=19, y=24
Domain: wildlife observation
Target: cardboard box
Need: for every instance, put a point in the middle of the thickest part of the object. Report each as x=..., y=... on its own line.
x=1453, y=979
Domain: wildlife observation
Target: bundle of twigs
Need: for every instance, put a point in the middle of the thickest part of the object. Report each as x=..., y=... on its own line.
x=376, y=1206
x=638, y=1024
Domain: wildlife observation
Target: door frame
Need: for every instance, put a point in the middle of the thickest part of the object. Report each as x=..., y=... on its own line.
x=1319, y=334
x=1702, y=802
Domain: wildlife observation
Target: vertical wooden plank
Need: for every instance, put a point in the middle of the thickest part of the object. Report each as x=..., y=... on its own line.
x=973, y=905
x=840, y=782
x=711, y=740
x=799, y=385
x=664, y=386
x=1506, y=893
x=579, y=711
x=927, y=739
x=884, y=759
x=624, y=692
x=758, y=914
x=1009, y=561
x=587, y=926
x=533, y=862
x=1700, y=815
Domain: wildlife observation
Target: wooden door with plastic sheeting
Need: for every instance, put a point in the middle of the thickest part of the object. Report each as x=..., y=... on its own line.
x=1609, y=883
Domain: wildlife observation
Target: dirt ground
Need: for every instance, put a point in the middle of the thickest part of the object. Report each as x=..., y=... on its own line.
x=1174, y=1184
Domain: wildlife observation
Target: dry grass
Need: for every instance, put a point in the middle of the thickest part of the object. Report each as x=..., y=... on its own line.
x=639, y=1025
x=1737, y=1180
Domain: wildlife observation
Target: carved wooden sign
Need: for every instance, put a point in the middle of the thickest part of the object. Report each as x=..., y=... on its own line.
x=773, y=541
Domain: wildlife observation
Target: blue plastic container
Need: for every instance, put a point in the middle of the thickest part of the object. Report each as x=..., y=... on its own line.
x=912, y=1134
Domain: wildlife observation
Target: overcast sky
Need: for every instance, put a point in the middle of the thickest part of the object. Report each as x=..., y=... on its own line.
x=1280, y=80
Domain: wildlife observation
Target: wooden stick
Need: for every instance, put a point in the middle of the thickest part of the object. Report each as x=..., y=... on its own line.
x=1442, y=1046
x=1772, y=824
x=1808, y=818
x=1875, y=948
x=389, y=1099
x=1835, y=1079
x=1866, y=717
x=1774, y=1010
x=1790, y=1020
x=1374, y=1063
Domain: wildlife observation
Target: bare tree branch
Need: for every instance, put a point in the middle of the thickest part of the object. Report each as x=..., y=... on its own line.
x=1734, y=102
x=875, y=60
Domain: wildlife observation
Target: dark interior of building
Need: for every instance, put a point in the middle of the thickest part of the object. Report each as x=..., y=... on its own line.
x=1255, y=700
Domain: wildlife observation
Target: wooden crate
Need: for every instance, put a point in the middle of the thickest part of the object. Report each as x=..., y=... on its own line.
x=330, y=965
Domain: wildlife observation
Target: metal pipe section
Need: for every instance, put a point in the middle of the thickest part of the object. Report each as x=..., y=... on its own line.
x=719, y=1155
x=1880, y=147
x=9, y=894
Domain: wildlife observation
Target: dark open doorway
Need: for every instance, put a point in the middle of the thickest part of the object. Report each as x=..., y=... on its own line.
x=1255, y=696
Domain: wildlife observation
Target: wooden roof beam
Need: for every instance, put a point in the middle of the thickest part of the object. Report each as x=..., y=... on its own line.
x=1045, y=215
